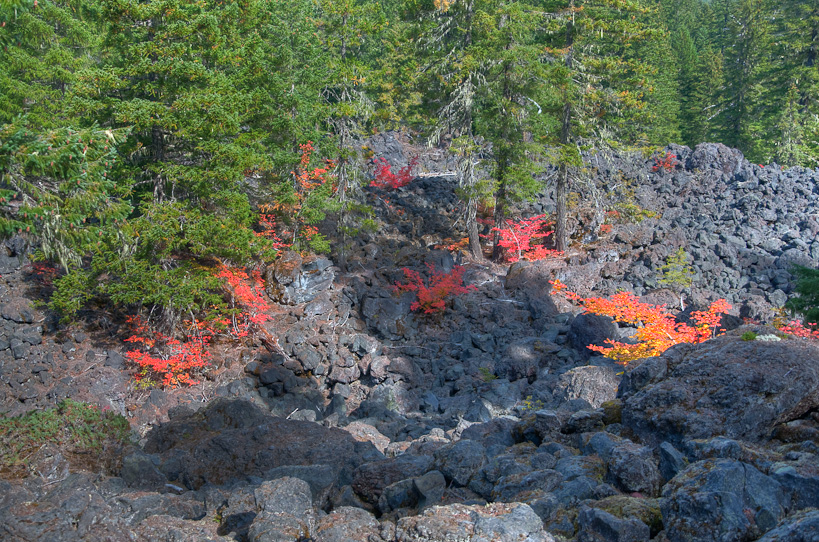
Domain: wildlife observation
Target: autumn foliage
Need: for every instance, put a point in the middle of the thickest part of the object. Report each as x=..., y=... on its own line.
x=801, y=331
x=166, y=361
x=170, y=362
x=517, y=238
x=433, y=294
x=302, y=203
x=665, y=162
x=250, y=307
x=657, y=329
x=387, y=180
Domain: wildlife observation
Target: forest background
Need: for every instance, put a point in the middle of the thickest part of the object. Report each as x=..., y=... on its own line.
x=146, y=147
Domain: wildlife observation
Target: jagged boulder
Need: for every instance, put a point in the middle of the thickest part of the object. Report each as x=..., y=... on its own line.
x=231, y=439
x=725, y=386
x=293, y=279
x=498, y=522
x=721, y=500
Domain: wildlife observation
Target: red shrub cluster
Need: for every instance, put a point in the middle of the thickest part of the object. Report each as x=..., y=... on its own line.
x=246, y=292
x=517, y=237
x=801, y=331
x=387, y=180
x=166, y=358
x=667, y=162
x=432, y=295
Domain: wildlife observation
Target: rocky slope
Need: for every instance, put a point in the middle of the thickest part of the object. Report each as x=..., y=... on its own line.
x=489, y=422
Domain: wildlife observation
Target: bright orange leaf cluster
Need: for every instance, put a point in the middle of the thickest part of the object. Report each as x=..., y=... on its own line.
x=309, y=179
x=267, y=223
x=657, y=329
x=247, y=293
x=432, y=295
x=667, y=162
x=169, y=362
x=801, y=331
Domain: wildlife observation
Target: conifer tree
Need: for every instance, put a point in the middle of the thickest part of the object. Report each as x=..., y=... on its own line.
x=747, y=73
x=42, y=47
x=600, y=82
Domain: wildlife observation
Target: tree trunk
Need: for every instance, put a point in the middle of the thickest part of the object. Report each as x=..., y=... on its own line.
x=500, y=212
x=561, y=233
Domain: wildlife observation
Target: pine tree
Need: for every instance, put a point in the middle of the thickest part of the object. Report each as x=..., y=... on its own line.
x=797, y=82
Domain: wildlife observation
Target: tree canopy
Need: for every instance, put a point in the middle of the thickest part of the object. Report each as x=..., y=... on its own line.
x=143, y=144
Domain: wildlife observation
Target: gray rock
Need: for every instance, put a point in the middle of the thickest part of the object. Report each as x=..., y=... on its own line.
x=347, y=524
x=430, y=489
x=800, y=527
x=285, y=511
x=726, y=386
x=591, y=329
x=387, y=315
x=139, y=470
x=672, y=461
x=460, y=461
x=320, y=478
x=594, y=384
x=721, y=500
x=293, y=280
x=523, y=358
x=584, y=421
x=494, y=522
x=230, y=440
x=599, y=526
x=633, y=469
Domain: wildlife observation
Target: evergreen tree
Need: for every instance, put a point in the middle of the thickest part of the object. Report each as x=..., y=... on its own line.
x=601, y=83
x=487, y=67
x=42, y=47
x=346, y=27
x=797, y=82
x=745, y=120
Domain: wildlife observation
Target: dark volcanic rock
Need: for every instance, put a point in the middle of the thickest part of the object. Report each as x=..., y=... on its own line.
x=726, y=386
x=496, y=522
x=801, y=527
x=233, y=439
x=591, y=329
x=292, y=279
x=721, y=500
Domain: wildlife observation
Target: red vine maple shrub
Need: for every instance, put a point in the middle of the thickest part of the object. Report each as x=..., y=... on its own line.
x=387, y=180
x=300, y=203
x=247, y=300
x=665, y=162
x=166, y=361
x=517, y=237
x=169, y=362
x=657, y=329
x=269, y=228
x=433, y=294
x=801, y=331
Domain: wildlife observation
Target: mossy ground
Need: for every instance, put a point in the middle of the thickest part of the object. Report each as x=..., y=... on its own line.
x=87, y=437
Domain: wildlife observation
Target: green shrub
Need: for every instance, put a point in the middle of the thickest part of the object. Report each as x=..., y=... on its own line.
x=806, y=302
x=82, y=432
x=748, y=336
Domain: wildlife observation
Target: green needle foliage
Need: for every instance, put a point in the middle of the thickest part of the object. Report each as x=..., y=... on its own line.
x=807, y=287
